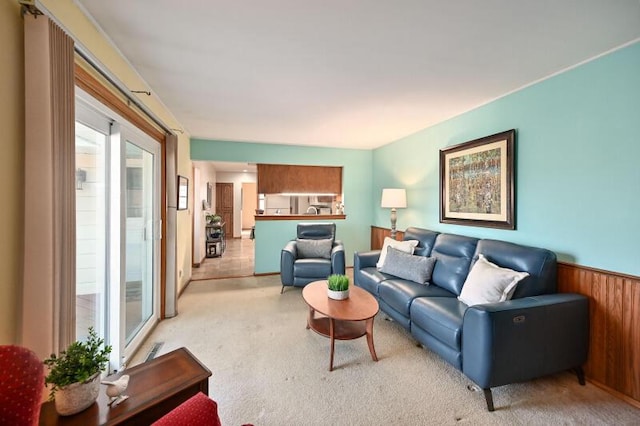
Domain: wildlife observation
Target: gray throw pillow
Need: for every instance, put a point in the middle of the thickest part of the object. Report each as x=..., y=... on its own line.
x=314, y=248
x=408, y=266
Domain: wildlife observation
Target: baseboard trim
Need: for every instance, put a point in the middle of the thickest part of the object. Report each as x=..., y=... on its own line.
x=184, y=287
x=615, y=393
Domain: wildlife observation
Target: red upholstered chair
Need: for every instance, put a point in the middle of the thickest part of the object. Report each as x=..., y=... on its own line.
x=21, y=386
x=197, y=410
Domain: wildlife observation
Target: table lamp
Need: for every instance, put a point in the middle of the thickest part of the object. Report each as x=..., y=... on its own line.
x=394, y=198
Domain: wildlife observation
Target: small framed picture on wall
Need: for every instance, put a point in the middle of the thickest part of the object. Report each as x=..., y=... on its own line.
x=183, y=193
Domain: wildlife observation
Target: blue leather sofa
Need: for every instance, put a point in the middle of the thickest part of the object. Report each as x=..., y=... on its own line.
x=298, y=270
x=536, y=333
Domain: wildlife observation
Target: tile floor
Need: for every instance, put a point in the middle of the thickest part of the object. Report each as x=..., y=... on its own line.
x=236, y=261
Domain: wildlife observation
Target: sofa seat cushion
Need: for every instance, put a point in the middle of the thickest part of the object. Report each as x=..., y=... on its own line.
x=370, y=279
x=312, y=268
x=399, y=293
x=441, y=317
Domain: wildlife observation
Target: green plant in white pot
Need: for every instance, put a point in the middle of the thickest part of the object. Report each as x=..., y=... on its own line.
x=213, y=218
x=338, y=286
x=74, y=374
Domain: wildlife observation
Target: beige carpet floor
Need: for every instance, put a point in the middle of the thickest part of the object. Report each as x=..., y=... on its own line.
x=268, y=369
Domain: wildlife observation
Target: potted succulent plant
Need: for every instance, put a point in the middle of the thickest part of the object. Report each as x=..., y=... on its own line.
x=338, y=286
x=74, y=374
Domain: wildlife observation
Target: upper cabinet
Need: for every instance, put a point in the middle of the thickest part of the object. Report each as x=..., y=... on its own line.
x=280, y=178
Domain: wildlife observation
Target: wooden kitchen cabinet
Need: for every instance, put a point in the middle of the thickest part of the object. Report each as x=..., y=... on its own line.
x=283, y=178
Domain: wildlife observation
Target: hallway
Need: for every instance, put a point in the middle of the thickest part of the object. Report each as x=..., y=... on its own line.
x=236, y=261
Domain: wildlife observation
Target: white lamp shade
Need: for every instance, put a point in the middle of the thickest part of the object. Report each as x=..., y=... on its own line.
x=394, y=198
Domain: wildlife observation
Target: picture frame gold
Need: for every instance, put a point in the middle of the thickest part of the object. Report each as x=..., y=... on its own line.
x=477, y=182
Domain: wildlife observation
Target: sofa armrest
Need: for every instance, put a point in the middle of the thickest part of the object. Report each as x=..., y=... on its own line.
x=199, y=409
x=525, y=338
x=338, y=265
x=365, y=259
x=288, y=256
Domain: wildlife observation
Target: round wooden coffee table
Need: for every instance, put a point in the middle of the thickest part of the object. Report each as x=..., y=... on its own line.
x=341, y=319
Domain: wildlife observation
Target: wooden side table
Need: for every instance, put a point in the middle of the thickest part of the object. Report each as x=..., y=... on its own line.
x=155, y=388
x=341, y=319
x=215, y=240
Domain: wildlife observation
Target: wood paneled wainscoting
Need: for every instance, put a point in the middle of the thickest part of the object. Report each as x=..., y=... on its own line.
x=614, y=317
x=614, y=305
x=378, y=235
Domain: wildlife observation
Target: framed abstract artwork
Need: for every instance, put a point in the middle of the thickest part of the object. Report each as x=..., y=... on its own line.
x=477, y=182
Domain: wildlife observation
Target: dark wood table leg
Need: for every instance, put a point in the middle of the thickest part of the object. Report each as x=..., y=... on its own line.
x=332, y=337
x=372, y=349
x=310, y=318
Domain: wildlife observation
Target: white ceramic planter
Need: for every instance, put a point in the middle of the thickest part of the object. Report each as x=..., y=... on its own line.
x=338, y=295
x=76, y=397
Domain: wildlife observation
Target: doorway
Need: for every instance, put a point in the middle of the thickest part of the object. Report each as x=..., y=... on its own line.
x=230, y=194
x=224, y=207
x=249, y=205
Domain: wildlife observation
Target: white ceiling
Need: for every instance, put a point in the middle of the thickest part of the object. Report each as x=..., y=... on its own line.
x=349, y=73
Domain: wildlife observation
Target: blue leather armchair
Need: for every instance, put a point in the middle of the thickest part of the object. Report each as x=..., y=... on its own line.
x=313, y=255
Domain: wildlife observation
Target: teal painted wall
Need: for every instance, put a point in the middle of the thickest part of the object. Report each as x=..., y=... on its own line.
x=271, y=236
x=577, y=161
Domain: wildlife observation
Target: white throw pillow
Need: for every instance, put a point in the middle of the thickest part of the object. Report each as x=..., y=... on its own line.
x=405, y=246
x=489, y=283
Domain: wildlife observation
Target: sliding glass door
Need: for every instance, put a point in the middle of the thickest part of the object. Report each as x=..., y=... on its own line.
x=117, y=229
x=141, y=235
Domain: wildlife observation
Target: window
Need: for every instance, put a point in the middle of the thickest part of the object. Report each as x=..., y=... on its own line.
x=134, y=191
x=92, y=131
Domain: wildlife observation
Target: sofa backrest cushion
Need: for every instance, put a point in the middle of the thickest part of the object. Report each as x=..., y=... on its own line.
x=454, y=254
x=541, y=264
x=425, y=237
